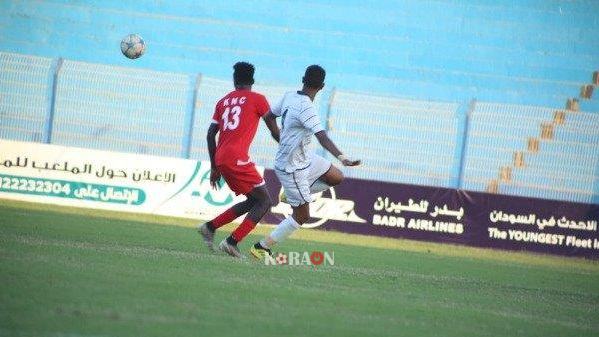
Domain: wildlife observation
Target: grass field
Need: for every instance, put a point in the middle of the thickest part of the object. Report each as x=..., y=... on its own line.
x=69, y=272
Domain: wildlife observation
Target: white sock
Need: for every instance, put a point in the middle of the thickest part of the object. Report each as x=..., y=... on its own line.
x=282, y=231
x=264, y=244
x=319, y=186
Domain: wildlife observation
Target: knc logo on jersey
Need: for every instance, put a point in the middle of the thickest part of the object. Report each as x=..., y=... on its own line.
x=315, y=258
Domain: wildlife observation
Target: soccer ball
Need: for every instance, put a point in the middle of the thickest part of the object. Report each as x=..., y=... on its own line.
x=133, y=46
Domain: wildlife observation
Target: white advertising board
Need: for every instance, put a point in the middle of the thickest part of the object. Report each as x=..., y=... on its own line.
x=110, y=180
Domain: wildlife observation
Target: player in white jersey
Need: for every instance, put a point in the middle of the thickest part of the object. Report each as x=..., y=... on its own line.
x=300, y=171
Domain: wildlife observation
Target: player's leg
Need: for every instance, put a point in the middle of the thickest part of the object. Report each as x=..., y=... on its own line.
x=207, y=229
x=234, y=177
x=249, y=182
x=300, y=215
x=331, y=178
x=297, y=190
x=231, y=214
x=323, y=175
x=261, y=205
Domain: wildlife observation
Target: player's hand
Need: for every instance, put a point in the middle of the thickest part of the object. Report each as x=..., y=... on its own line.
x=214, y=178
x=348, y=162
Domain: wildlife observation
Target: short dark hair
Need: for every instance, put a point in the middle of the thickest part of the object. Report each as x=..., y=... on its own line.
x=314, y=76
x=243, y=73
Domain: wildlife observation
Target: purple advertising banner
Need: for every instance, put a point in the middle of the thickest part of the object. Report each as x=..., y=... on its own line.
x=452, y=216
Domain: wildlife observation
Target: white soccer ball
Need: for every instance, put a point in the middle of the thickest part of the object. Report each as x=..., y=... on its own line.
x=133, y=46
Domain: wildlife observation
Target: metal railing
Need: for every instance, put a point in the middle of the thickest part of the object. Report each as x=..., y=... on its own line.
x=446, y=144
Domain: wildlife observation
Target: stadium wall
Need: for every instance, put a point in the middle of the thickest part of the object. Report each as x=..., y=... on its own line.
x=467, y=145
x=526, y=52
x=180, y=187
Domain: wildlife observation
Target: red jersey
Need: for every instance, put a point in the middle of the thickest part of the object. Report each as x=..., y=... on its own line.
x=237, y=115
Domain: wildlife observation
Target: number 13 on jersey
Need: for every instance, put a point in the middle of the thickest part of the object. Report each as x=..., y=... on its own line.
x=231, y=117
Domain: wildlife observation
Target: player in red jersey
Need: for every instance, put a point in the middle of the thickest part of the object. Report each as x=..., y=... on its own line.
x=236, y=117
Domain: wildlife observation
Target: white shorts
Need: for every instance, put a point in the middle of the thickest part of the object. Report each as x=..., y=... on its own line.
x=297, y=184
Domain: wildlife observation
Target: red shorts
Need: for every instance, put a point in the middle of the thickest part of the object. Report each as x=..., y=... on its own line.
x=241, y=178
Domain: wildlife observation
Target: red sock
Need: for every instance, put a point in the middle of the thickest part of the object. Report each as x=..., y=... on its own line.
x=224, y=218
x=243, y=230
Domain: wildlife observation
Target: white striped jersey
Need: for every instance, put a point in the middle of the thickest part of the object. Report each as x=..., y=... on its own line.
x=299, y=121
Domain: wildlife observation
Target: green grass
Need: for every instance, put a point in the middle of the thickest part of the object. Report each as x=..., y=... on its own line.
x=70, y=272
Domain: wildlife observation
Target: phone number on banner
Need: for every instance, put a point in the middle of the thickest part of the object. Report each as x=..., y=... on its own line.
x=71, y=189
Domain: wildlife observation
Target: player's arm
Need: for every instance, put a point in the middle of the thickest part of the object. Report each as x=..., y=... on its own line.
x=328, y=144
x=211, y=138
x=270, y=120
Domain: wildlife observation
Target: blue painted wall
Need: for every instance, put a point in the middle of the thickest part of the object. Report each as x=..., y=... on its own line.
x=534, y=52
x=530, y=51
